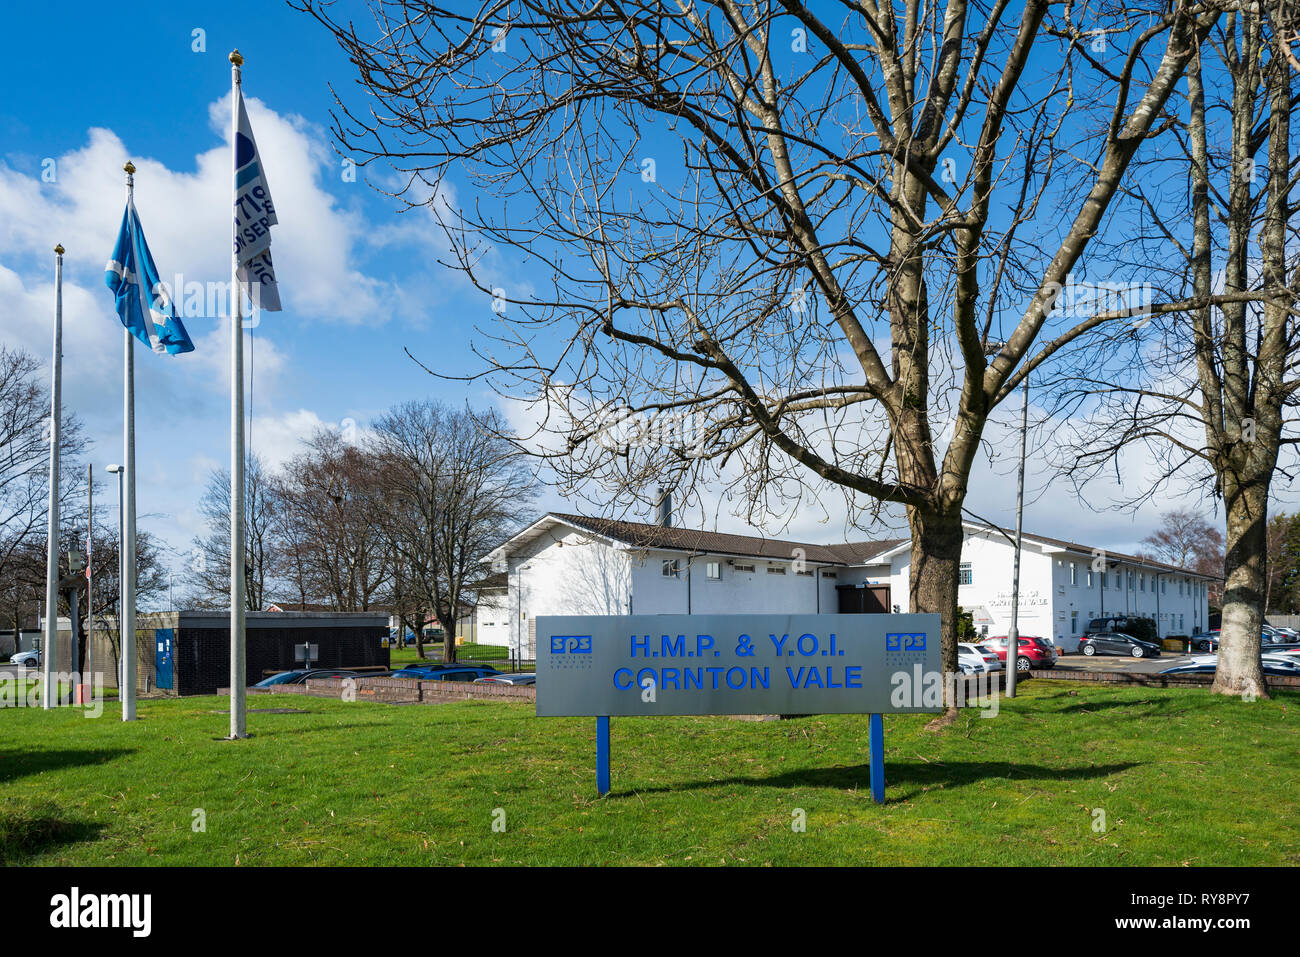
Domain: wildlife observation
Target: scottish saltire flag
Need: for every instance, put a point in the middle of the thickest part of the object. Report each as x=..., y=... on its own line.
x=254, y=217
x=143, y=302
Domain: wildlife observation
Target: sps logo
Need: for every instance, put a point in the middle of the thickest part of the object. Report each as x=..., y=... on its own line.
x=571, y=652
x=903, y=648
x=571, y=644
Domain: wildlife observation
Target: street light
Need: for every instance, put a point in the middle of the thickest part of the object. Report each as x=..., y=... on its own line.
x=1013, y=638
x=119, y=471
x=1013, y=633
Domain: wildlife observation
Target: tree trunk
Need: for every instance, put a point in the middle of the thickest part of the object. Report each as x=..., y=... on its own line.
x=932, y=584
x=448, y=640
x=1239, y=671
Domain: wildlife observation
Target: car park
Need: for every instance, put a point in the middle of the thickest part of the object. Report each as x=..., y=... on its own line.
x=1033, y=652
x=1275, y=666
x=1118, y=643
x=1277, y=641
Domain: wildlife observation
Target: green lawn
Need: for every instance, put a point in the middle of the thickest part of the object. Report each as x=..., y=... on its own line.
x=400, y=657
x=1183, y=777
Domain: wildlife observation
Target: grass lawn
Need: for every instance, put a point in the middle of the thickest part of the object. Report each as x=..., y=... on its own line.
x=1183, y=777
x=400, y=657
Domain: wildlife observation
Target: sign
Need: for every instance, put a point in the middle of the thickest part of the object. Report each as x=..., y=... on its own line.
x=624, y=665
x=306, y=653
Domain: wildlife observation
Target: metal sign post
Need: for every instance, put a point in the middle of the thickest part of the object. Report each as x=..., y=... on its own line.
x=877, y=745
x=602, y=755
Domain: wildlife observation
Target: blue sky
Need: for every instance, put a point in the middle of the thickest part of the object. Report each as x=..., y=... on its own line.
x=360, y=281
x=333, y=356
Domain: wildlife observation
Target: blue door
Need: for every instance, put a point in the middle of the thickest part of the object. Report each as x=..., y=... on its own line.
x=163, y=657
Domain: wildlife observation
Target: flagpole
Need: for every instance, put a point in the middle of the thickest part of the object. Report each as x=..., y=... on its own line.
x=51, y=622
x=238, y=665
x=127, y=679
x=84, y=678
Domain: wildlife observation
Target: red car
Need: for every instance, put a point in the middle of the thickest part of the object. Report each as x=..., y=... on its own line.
x=1033, y=653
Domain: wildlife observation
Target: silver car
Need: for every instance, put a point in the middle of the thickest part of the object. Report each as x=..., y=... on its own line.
x=517, y=680
x=32, y=659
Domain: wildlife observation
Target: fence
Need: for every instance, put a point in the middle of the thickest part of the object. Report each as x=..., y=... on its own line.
x=493, y=656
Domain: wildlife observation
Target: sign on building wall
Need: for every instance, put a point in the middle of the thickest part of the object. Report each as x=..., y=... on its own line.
x=625, y=665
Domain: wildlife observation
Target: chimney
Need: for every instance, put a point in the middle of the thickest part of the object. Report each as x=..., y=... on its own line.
x=663, y=507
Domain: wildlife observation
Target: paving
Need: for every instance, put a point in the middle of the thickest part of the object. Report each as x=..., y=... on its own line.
x=1137, y=666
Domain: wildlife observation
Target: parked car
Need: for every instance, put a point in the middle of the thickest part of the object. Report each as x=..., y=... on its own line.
x=32, y=659
x=1205, y=641
x=1033, y=652
x=298, y=675
x=1118, y=643
x=983, y=659
x=458, y=673
x=446, y=672
x=520, y=679
x=1277, y=641
x=420, y=671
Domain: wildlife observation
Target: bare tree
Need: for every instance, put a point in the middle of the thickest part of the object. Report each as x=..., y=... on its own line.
x=1187, y=540
x=328, y=518
x=1206, y=384
x=150, y=582
x=24, y=481
x=208, y=570
x=452, y=491
x=828, y=244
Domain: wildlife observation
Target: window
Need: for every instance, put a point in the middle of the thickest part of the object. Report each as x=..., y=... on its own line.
x=807, y=572
x=826, y=574
x=713, y=571
x=965, y=574
x=1180, y=588
x=740, y=567
x=1142, y=582
x=670, y=568
x=1162, y=586
x=1074, y=574
x=1074, y=622
x=776, y=569
x=1090, y=578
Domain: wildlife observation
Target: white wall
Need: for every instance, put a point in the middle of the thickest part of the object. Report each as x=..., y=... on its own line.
x=565, y=572
x=492, y=618
x=992, y=560
x=736, y=592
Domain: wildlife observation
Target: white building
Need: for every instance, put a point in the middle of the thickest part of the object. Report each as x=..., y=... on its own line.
x=566, y=564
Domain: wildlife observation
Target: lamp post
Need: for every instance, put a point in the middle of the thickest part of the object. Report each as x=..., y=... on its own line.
x=121, y=557
x=1013, y=635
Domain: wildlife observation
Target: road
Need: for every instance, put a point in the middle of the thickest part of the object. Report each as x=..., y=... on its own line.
x=1136, y=666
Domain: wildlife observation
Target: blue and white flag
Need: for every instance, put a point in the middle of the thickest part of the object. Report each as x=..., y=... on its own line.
x=143, y=303
x=254, y=217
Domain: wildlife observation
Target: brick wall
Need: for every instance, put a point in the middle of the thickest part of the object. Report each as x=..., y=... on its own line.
x=406, y=690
